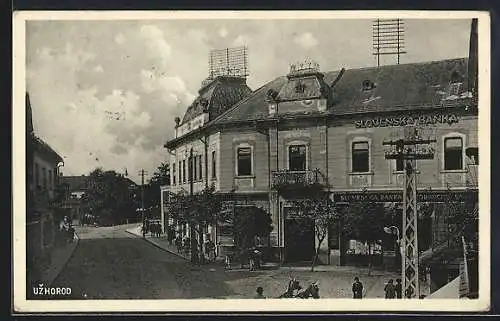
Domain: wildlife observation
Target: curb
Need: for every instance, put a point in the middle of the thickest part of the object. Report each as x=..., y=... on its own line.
x=156, y=245
x=63, y=266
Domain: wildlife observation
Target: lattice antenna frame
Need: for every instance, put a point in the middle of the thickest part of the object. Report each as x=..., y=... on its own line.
x=388, y=38
x=231, y=62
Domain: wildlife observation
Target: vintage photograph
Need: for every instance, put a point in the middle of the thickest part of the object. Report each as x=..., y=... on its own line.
x=290, y=159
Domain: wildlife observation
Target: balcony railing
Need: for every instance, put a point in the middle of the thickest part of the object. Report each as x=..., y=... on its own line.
x=296, y=179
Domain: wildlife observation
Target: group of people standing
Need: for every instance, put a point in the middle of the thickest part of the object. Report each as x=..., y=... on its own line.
x=392, y=291
x=183, y=246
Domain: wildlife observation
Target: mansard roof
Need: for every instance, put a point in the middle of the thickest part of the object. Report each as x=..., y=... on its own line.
x=217, y=96
x=395, y=88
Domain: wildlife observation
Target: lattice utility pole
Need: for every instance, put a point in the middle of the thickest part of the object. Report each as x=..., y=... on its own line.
x=409, y=149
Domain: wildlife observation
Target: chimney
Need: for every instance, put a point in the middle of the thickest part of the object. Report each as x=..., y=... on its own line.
x=473, y=62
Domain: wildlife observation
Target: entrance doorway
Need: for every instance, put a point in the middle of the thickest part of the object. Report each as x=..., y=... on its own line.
x=299, y=240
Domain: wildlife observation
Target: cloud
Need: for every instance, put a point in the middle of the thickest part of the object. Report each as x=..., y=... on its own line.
x=156, y=45
x=306, y=40
x=120, y=39
x=223, y=32
x=241, y=40
x=98, y=69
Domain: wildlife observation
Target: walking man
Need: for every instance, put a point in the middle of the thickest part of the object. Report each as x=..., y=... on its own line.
x=357, y=289
x=390, y=290
x=399, y=289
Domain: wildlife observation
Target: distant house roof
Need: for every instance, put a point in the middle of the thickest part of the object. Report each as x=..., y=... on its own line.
x=45, y=150
x=395, y=88
x=76, y=183
x=217, y=96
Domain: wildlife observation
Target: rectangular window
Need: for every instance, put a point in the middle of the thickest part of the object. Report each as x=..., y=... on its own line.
x=400, y=165
x=180, y=172
x=360, y=157
x=200, y=168
x=44, y=177
x=50, y=179
x=244, y=161
x=174, y=165
x=453, y=153
x=195, y=167
x=183, y=170
x=37, y=174
x=214, y=167
x=297, y=158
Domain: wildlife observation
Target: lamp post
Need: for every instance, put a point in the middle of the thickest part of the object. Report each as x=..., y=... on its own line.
x=394, y=230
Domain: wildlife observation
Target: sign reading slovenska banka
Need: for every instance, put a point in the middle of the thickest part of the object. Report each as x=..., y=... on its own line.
x=407, y=121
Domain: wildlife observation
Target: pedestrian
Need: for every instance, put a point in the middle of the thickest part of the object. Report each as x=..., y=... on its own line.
x=357, y=289
x=260, y=293
x=390, y=290
x=399, y=289
x=227, y=262
x=178, y=243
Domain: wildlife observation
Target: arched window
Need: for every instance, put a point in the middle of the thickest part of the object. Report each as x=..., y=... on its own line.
x=453, y=153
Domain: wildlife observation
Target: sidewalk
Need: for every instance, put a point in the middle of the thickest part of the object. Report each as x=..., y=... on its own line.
x=58, y=259
x=160, y=242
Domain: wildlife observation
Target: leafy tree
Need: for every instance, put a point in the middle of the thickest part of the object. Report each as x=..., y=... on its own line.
x=250, y=222
x=321, y=210
x=198, y=210
x=365, y=221
x=110, y=196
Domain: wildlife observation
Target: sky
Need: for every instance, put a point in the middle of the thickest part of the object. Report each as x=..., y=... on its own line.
x=105, y=93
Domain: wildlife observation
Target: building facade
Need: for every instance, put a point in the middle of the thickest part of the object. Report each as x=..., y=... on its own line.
x=312, y=128
x=42, y=169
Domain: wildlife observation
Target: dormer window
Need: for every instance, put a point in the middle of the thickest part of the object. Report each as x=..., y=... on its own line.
x=367, y=85
x=300, y=88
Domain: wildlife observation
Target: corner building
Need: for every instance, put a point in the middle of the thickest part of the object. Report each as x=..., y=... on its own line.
x=325, y=130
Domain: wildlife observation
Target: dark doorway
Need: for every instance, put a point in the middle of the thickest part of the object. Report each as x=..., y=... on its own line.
x=299, y=240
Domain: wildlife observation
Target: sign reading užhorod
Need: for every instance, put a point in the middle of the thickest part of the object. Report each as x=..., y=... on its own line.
x=407, y=121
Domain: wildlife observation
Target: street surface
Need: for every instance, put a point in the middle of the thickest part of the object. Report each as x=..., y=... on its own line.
x=110, y=263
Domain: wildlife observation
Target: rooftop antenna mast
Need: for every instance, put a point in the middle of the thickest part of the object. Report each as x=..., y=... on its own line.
x=388, y=38
x=229, y=62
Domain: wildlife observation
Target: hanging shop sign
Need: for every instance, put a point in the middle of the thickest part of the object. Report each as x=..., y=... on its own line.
x=407, y=121
x=397, y=196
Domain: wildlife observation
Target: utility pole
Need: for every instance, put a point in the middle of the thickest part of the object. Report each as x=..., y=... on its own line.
x=143, y=173
x=408, y=150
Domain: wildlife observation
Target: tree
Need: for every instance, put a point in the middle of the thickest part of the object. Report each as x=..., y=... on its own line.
x=160, y=177
x=198, y=210
x=321, y=210
x=110, y=196
x=365, y=221
x=248, y=223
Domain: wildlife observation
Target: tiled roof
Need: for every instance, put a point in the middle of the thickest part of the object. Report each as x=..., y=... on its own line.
x=75, y=183
x=45, y=149
x=397, y=88
x=222, y=93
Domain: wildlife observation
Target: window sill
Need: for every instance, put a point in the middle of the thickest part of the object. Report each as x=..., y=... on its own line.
x=244, y=176
x=360, y=173
x=446, y=171
x=402, y=172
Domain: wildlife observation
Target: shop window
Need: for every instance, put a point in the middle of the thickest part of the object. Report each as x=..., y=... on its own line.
x=244, y=161
x=44, y=177
x=297, y=157
x=453, y=153
x=50, y=179
x=37, y=174
x=360, y=157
